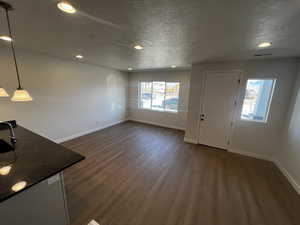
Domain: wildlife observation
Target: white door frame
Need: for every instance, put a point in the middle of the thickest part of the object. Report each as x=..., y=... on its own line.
x=237, y=100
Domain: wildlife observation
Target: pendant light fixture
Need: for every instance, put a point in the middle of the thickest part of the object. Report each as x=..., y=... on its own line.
x=20, y=95
x=3, y=93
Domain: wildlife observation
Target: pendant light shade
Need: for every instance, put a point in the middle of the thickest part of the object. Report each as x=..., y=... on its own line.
x=21, y=95
x=3, y=93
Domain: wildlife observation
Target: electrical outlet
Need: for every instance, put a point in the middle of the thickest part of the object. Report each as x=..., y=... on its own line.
x=93, y=222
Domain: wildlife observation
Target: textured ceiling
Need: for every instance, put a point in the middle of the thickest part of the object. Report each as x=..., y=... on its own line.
x=173, y=32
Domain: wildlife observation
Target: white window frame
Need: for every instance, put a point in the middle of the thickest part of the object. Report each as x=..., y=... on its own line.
x=163, y=111
x=269, y=100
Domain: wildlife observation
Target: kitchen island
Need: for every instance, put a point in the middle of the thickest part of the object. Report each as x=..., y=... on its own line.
x=31, y=181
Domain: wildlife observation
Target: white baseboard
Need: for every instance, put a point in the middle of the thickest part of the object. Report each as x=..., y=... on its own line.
x=60, y=140
x=284, y=171
x=158, y=124
x=190, y=140
x=252, y=154
x=290, y=178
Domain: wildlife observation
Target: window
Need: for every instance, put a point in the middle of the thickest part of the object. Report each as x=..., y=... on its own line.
x=146, y=95
x=257, y=99
x=159, y=96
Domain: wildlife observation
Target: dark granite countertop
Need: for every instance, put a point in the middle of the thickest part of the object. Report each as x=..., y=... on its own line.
x=34, y=160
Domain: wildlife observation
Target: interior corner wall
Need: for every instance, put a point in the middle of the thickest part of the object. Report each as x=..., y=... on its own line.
x=249, y=138
x=167, y=119
x=70, y=98
x=288, y=152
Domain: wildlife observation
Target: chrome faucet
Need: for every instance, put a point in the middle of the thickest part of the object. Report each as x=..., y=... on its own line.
x=12, y=136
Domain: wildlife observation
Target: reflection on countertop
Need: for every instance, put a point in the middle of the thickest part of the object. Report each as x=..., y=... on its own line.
x=33, y=160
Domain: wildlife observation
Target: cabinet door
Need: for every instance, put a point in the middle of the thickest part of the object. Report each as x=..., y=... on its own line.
x=42, y=204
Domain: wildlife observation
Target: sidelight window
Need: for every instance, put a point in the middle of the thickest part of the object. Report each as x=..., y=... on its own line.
x=258, y=99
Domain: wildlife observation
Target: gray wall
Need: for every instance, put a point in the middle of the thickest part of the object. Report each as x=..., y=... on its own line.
x=252, y=138
x=288, y=153
x=175, y=120
x=69, y=98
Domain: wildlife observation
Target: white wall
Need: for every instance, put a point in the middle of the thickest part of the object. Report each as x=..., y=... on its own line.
x=69, y=97
x=252, y=138
x=288, y=153
x=175, y=120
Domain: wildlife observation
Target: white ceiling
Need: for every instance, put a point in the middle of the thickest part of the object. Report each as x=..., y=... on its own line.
x=173, y=32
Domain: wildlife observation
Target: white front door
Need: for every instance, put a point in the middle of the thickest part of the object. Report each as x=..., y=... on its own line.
x=218, y=107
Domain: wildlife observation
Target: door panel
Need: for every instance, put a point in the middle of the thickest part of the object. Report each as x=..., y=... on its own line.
x=220, y=91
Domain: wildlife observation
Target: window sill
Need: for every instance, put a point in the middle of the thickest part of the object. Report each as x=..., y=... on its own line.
x=255, y=121
x=153, y=110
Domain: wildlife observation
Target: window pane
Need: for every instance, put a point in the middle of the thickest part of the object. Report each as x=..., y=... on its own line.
x=257, y=99
x=172, y=96
x=158, y=96
x=145, y=95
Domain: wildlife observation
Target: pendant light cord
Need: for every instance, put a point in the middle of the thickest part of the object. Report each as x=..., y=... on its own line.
x=13, y=49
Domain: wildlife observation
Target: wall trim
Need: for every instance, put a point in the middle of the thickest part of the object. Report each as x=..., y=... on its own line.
x=286, y=173
x=277, y=163
x=60, y=140
x=190, y=140
x=157, y=124
x=251, y=154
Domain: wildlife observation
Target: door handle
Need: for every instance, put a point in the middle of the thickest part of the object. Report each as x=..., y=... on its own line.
x=202, y=117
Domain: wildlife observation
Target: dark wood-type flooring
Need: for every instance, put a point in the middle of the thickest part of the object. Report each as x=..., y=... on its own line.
x=138, y=174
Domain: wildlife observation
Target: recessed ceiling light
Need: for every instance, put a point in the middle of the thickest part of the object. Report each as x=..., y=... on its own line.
x=79, y=56
x=66, y=7
x=6, y=38
x=129, y=69
x=173, y=66
x=138, y=47
x=264, y=44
